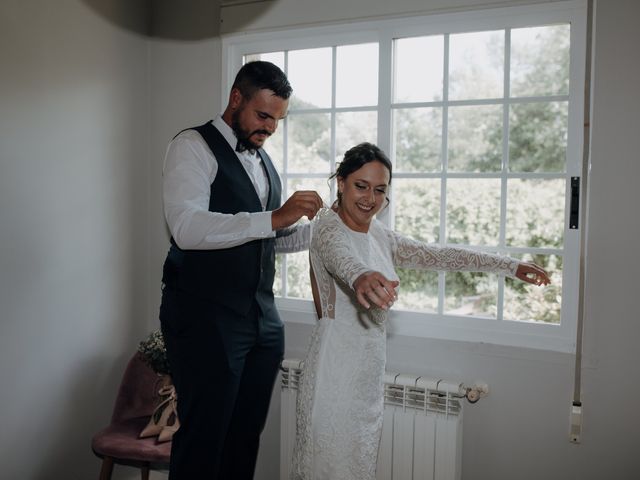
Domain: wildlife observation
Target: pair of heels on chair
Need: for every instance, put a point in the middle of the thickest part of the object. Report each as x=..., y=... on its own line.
x=164, y=419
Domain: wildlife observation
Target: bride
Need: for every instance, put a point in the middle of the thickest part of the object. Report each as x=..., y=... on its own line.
x=353, y=260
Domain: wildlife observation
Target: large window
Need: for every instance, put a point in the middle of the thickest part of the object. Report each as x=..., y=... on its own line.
x=480, y=114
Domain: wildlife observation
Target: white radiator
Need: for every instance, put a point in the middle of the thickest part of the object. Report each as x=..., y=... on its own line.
x=421, y=431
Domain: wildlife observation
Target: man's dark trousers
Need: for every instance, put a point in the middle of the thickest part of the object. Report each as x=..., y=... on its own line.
x=223, y=366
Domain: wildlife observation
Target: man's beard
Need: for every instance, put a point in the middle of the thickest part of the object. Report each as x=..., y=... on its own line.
x=244, y=136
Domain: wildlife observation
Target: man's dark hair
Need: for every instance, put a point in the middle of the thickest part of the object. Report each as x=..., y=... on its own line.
x=259, y=75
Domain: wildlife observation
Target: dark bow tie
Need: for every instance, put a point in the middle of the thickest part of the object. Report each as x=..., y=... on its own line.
x=241, y=147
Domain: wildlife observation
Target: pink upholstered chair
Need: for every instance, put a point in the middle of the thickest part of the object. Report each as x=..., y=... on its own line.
x=118, y=443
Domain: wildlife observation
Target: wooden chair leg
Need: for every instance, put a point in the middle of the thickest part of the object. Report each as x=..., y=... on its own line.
x=107, y=468
x=144, y=472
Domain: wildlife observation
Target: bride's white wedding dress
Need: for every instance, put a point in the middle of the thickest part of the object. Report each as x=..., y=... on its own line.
x=340, y=398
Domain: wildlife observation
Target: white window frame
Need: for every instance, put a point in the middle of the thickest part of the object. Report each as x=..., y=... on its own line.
x=553, y=337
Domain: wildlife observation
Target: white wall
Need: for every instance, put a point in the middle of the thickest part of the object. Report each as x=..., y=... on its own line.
x=612, y=323
x=73, y=226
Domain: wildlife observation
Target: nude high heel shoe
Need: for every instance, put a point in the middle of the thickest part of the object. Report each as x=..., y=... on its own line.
x=162, y=413
x=167, y=431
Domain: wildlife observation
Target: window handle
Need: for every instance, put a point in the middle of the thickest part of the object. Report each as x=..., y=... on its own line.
x=574, y=213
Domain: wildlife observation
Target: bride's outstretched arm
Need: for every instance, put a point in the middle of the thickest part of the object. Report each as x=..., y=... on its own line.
x=410, y=253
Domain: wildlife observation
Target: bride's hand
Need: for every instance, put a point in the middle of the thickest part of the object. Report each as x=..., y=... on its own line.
x=532, y=273
x=374, y=287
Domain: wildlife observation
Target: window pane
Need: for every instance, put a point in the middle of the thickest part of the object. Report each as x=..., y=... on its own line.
x=275, y=147
x=418, y=290
x=419, y=65
x=320, y=185
x=471, y=293
x=473, y=211
x=310, y=76
x=418, y=139
x=526, y=302
x=298, y=284
x=357, y=75
x=540, y=61
x=309, y=143
x=538, y=137
x=276, y=58
x=353, y=128
x=417, y=208
x=476, y=65
x=475, y=139
x=535, y=213
x=277, y=282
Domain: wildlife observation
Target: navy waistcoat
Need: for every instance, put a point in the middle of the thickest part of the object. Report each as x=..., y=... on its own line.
x=233, y=276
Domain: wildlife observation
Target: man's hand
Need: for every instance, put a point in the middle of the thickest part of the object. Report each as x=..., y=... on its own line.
x=374, y=287
x=302, y=203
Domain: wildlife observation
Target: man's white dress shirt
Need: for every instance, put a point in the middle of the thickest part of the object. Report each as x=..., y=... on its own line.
x=189, y=171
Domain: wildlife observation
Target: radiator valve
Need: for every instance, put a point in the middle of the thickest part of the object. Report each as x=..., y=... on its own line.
x=475, y=393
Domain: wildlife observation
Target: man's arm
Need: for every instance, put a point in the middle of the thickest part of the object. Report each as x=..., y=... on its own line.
x=190, y=169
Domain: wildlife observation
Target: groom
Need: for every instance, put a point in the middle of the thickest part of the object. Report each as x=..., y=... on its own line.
x=223, y=334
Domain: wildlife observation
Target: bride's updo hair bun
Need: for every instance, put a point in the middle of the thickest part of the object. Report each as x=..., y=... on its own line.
x=358, y=156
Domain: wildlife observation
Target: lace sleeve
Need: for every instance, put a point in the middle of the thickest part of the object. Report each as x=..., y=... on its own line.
x=409, y=253
x=330, y=243
x=293, y=239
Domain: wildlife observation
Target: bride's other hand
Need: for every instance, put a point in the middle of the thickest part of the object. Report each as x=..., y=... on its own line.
x=374, y=287
x=532, y=273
